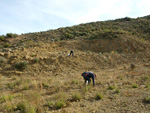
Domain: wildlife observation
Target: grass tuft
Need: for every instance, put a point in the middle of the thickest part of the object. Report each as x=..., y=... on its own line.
x=21, y=65
x=98, y=96
x=76, y=97
x=60, y=104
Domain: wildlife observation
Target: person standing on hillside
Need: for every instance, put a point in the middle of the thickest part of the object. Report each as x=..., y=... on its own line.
x=71, y=53
x=87, y=77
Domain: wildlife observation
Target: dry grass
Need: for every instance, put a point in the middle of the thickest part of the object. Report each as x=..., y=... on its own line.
x=54, y=83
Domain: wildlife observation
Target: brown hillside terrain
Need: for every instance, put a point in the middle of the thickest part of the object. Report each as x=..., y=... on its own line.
x=51, y=80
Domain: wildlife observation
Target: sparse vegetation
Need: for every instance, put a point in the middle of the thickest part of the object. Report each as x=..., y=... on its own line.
x=60, y=104
x=134, y=86
x=147, y=99
x=86, y=89
x=117, y=91
x=11, y=35
x=46, y=85
x=36, y=60
x=22, y=106
x=21, y=65
x=75, y=82
x=98, y=96
x=76, y=97
x=2, y=38
x=7, y=45
x=111, y=87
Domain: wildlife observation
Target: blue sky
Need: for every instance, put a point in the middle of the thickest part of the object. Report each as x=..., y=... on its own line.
x=24, y=16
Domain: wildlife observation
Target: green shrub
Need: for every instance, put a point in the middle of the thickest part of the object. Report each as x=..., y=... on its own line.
x=134, y=86
x=59, y=104
x=36, y=60
x=147, y=99
x=75, y=82
x=22, y=106
x=11, y=85
x=61, y=96
x=31, y=109
x=98, y=96
x=2, y=38
x=6, y=98
x=76, y=97
x=11, y=35
x=50, y=103
x=3, y=99
x=145, y=78
x=117, y=91
x=25, y=87
x=45, y=85
x=21, y=65
x=147, y=85
x=111, y=87
x=86, y=89
x=7, y=45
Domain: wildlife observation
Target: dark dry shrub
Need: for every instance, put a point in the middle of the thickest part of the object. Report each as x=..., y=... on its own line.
x=21, y=65
x=98, y=96
x=11, y=35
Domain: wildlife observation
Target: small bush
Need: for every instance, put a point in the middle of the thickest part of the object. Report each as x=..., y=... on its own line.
x=117, y=91
x=147, y=99
x=59, y=104
x=147, y=85
x=98, y=96
x=31, y=109
x=50, y=103
x=11, y=35
x=3, y=99
x=111, y=87
x=145, y=78
x=134, y=86
x=22, y=106
x=61, y=96
x=75, y=82
x=36, y=60
x=76, y=97
x=6, y=98
x=2, y=38
x=86, y=89
x=11, y=85
x=45, y=85
x=21, y=65
x=25, y=87
x=7, y=45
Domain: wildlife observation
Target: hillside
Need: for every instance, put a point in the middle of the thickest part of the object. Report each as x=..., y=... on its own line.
x=37, y=75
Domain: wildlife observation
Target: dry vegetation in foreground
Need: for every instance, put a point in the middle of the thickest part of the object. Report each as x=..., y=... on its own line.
x=53, y=84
